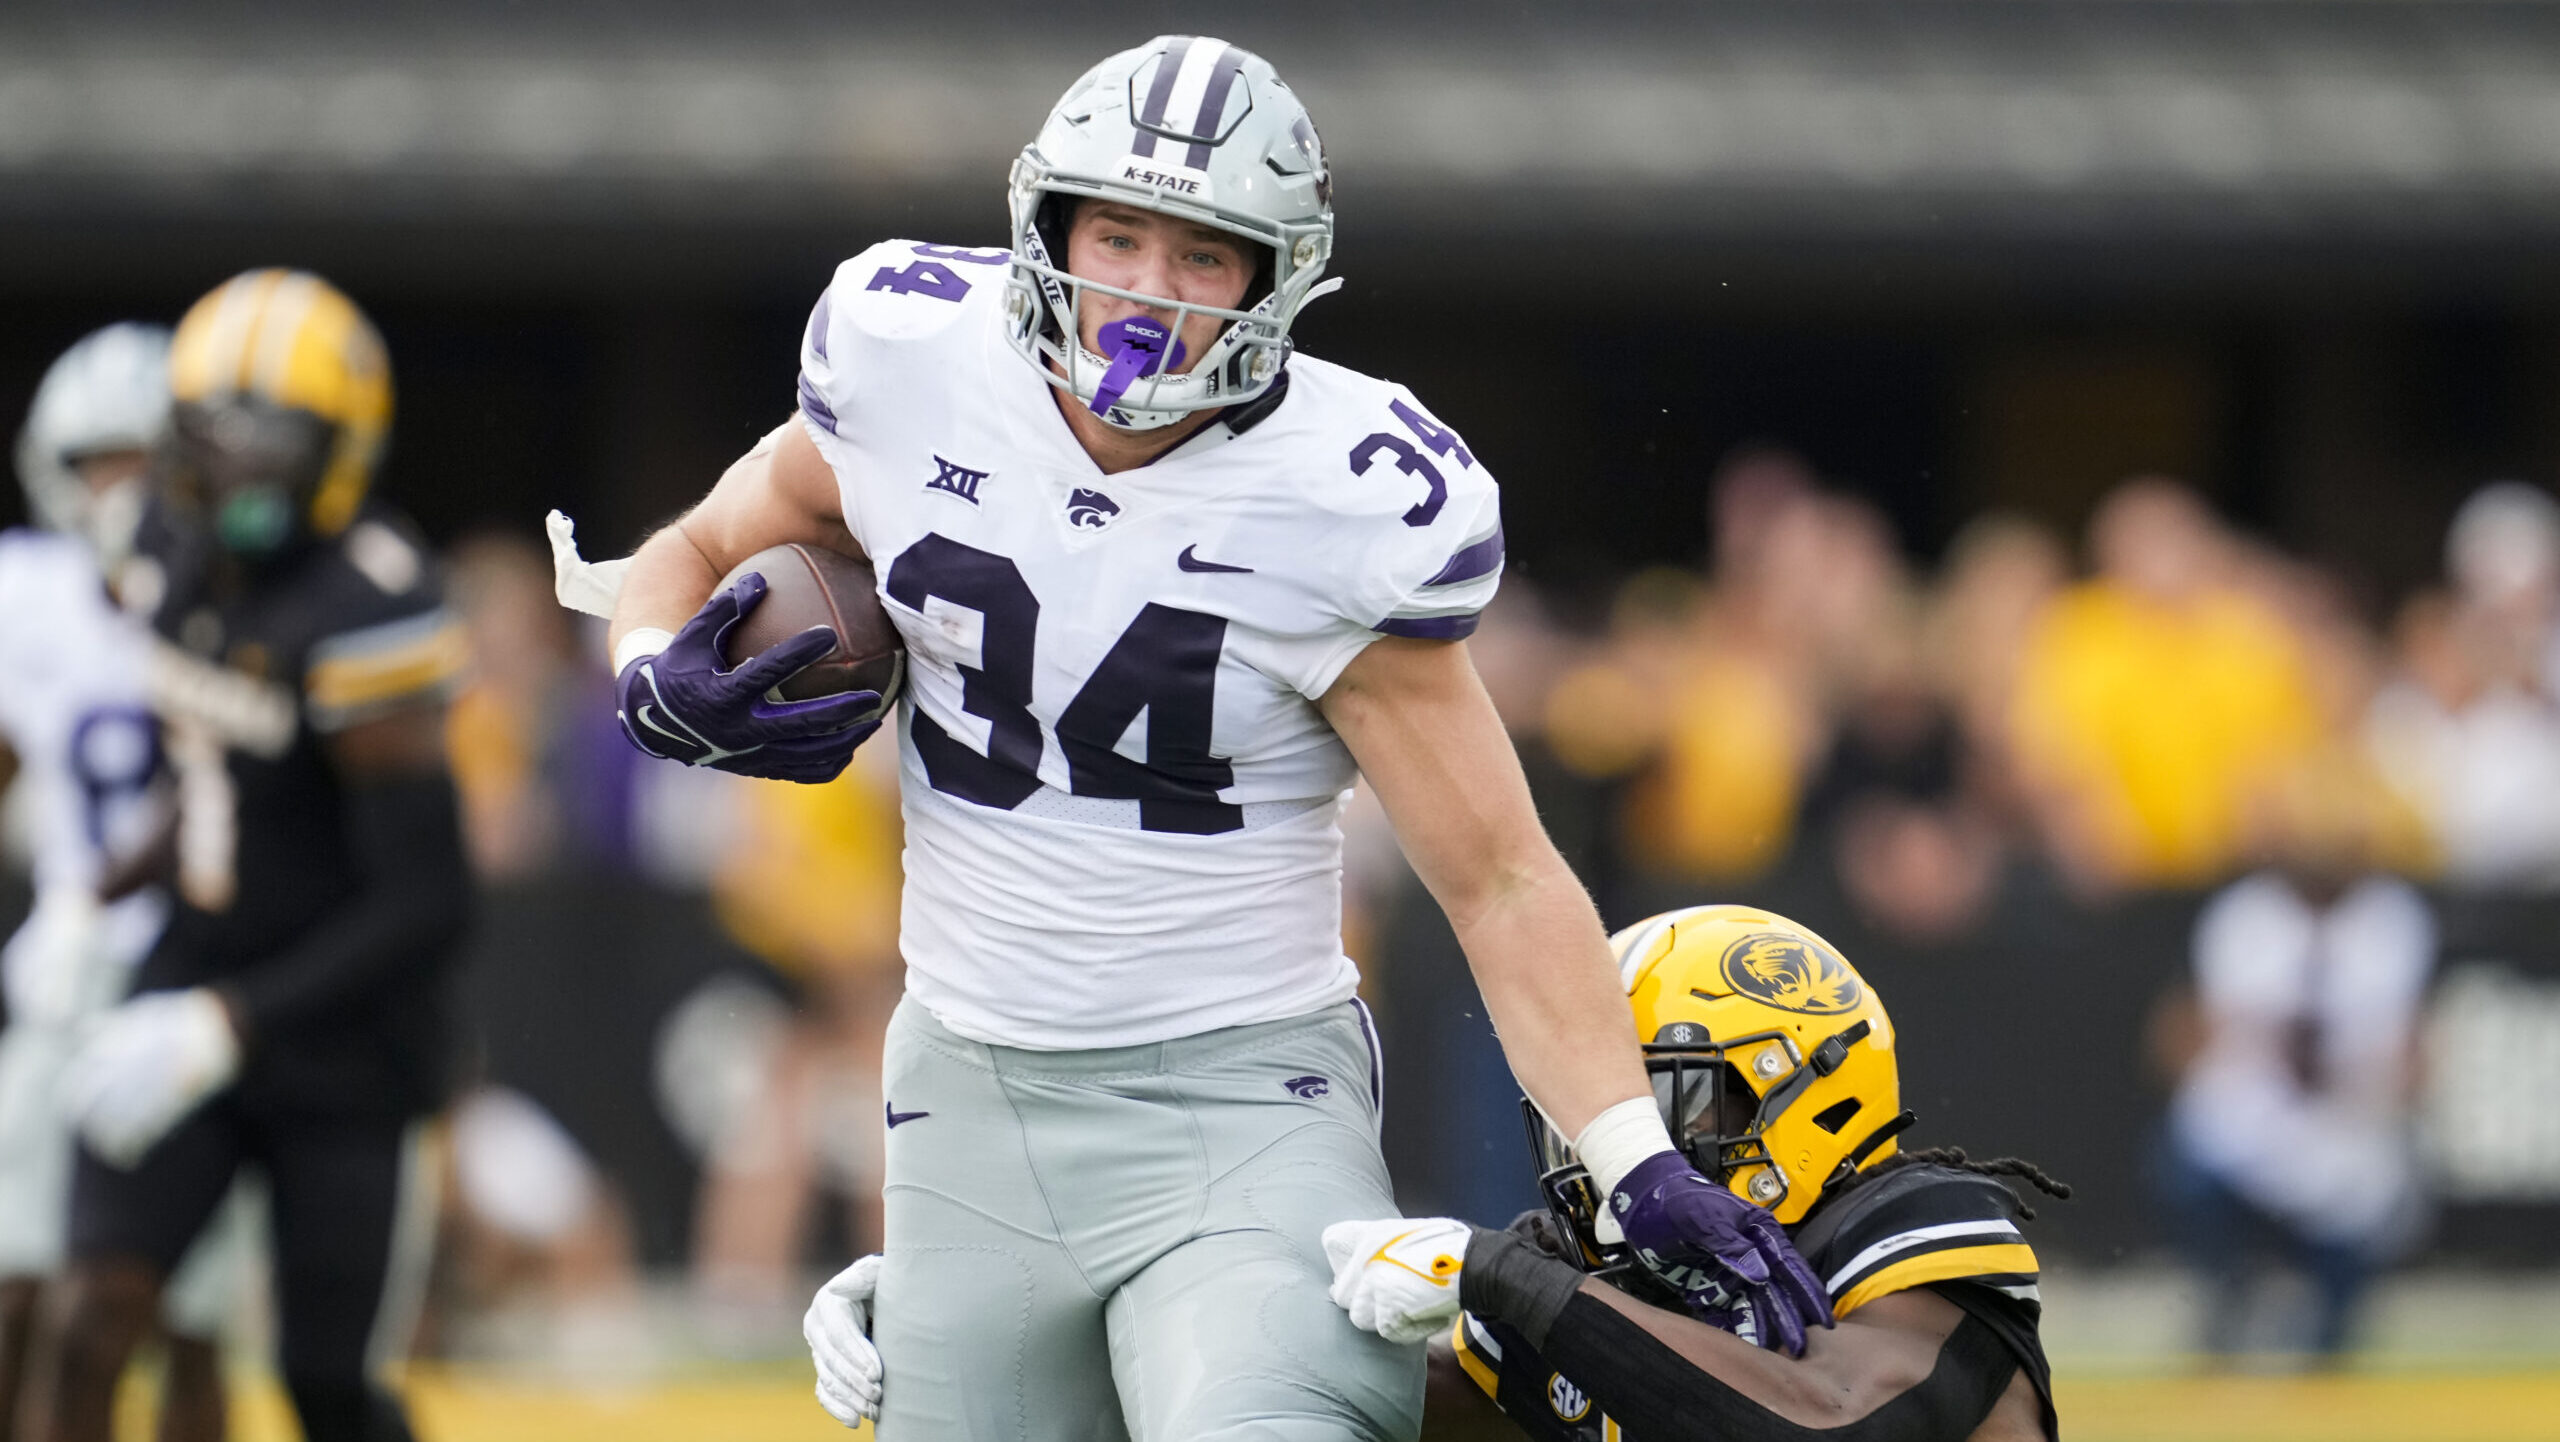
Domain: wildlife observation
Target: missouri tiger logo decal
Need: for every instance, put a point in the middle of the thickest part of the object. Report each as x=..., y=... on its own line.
x=1791, y=973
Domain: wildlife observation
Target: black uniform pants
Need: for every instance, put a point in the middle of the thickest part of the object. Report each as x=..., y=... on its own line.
x=352, y=1213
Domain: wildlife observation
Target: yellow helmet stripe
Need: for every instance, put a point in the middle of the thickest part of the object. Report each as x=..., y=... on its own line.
x=207, y=358
x=280, y=332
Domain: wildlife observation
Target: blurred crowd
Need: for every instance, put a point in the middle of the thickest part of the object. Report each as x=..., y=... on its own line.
x=2166, y=704
x=2130, y=714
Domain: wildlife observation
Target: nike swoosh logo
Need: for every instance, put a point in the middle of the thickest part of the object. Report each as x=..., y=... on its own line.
x=897, y=1117
x=1190, y=562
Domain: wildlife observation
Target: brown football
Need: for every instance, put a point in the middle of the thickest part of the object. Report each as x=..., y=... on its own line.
x=809, y=586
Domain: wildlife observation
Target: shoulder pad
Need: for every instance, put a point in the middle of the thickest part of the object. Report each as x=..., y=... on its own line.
x=898, y=290
x=386, y=640
x=1428, y=515
x=1915, y=1225
x=904, y=288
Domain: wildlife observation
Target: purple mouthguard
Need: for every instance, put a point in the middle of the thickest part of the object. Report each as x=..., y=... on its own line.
x=1135, y=347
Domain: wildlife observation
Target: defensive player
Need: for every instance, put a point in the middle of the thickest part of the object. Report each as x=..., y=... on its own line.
x=1163, y=586
x=78, y=729
x=1773, y=1062
x=291, y=1017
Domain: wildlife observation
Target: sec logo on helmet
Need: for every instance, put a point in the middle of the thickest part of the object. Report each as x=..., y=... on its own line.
x=1792, y=973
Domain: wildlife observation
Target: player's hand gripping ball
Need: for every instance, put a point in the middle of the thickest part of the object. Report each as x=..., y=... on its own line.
x=1718, y=1249
x=838, y=1329
x=685, y=705
x=1397, y=1277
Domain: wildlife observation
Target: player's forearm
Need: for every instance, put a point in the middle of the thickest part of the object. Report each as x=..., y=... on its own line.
x=1543, y=965
x=669, y=579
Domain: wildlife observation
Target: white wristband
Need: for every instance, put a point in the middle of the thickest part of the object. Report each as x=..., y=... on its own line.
x=1619, y=1138
x=645, y=641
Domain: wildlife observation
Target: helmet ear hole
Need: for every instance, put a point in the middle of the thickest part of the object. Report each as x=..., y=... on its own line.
x=1835, y=1116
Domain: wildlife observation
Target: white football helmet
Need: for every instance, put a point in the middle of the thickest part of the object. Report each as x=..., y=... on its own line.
x=109, y=392
x=1191, y=127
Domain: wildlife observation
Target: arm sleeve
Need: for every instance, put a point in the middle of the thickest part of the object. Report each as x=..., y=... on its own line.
x=1510, y=1281
x=1654, y=1392
x=373, y=671
x=407, y=832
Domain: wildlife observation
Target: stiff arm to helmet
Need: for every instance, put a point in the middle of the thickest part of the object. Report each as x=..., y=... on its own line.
x=1771, y=1059
x=1197, y=129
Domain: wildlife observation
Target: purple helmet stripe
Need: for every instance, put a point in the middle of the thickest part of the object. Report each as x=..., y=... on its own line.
x=1430, y=628
x=818, y=326
x=1213, y=106
x=816, y=405
x=1159, y=94
x=1482, y=558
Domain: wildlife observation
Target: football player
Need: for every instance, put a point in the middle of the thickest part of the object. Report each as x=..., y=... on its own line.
x=290, y=1018
x=1773, y=1062
x=1163, y=586
x=76, y=727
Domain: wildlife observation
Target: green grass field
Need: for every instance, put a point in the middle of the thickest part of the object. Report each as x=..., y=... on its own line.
x=771, y=1403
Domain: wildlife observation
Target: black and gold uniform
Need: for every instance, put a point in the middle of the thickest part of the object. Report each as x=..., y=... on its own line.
x=1953, y=1231
x=345, y=1003
x=303, y=659
x=1773, y=1063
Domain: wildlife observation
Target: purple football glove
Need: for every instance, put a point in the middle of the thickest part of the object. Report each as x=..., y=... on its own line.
x=680, y=704
x=1718, y=1250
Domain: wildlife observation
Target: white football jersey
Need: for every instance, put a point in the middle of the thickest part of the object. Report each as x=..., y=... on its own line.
x=1120, y=798
x=74, y=710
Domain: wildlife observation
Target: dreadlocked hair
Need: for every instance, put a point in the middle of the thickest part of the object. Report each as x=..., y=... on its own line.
x=1955, y=1157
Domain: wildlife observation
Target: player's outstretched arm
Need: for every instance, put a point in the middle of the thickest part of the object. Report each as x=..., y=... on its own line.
x=1911, y=1365
x=780, y=491
x=1425, y=734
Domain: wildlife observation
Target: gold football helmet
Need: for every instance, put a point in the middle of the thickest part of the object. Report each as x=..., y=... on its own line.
x=1771, y=1058
x=281, y=398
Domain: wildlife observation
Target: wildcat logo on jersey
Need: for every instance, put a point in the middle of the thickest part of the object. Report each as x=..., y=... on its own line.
x=1090, y=510
x=1307, y=1088
x=958, y=480
x=1790, y=973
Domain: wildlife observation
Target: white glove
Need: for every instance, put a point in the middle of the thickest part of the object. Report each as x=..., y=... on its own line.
x=145, y=1066
x=582, y=585
x=838, y=1329
x=1397, y=1277
x=52, y=963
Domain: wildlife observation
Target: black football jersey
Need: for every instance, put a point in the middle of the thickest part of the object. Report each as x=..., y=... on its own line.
x=250, y=678
x=1952, y=1231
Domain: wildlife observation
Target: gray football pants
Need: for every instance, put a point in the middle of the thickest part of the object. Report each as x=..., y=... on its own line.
x=1094, y=1246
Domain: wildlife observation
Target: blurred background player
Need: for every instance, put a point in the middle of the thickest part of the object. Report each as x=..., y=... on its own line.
x=291, y=1019
x=85, y=749
x=2293, y=1131
x=1773, y=1062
